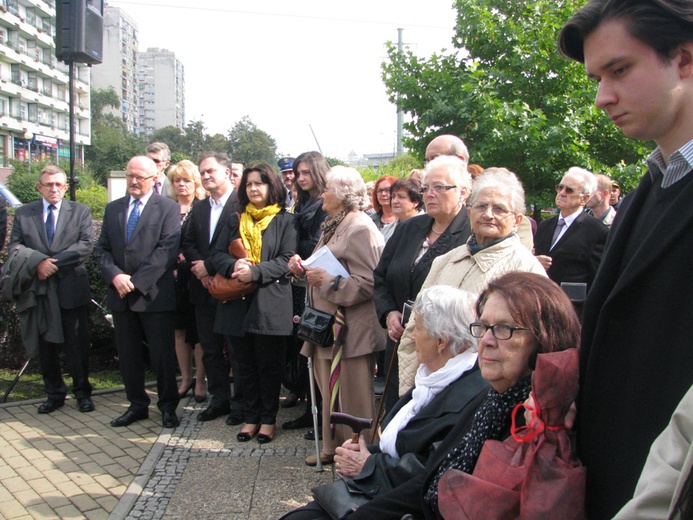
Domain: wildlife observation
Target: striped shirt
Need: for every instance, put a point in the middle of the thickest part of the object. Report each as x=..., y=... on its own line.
x=680, y=164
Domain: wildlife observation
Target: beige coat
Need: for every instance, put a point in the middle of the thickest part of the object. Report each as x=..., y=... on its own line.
x=459, y=268
x=357, y=244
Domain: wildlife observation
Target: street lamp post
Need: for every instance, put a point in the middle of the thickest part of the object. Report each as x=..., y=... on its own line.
x=28, y=135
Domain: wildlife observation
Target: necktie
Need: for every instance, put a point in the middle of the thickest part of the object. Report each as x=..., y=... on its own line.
x=559, y=228
x=157, y=187
x=50, y=224
x=132, y=220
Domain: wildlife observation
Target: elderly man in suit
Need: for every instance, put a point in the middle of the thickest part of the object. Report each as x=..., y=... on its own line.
x=59, y=232
x=570, y=245
x=206, y=222
x=136, y=252
x=160, y=153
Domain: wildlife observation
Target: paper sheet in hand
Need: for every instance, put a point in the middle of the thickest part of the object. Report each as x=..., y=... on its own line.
x=324, y=259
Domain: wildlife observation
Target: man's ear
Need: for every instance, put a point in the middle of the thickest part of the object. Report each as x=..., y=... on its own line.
x=685, y=59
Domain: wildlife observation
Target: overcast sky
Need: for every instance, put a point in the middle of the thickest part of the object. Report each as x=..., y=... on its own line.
x=291, y=64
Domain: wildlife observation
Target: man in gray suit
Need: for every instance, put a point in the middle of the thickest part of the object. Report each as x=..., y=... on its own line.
x=59, y=233
x=160, y=153
x=137, y=252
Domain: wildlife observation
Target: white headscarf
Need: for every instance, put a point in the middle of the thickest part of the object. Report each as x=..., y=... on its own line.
x=427, y=385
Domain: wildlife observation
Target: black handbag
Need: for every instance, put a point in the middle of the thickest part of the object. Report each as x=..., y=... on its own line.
x=338, y=499
x=316, y=327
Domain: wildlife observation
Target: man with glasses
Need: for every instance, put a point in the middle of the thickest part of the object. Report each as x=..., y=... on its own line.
x=57, y=236
x=137, y=252
x=161, y=155
x=570, y=244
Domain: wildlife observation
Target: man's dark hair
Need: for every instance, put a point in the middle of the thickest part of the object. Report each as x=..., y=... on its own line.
x=222, y=158
x=661, y=24
x=276, y=193
x=318, y=166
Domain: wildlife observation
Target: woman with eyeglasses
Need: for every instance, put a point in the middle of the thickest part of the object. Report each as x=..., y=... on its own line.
x=521, y=317
x=416, y=242
x=495, y=210
x=380, y=200
x=406, y=202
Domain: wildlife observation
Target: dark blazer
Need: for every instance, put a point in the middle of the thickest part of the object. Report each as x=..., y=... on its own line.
x=395, y=280
x=417, y=441
x=3, y=221
x=636, y=360
x=72, y=244
x=196, y=244
x=149, y=257
x=577, y=254
x=269, y=310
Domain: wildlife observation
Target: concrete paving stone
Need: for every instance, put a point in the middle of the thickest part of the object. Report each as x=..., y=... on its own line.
x=54, y=455
x=107, y=481
x=69, y=488
x=84, y=502
x=119, y=491
x=68, y=512
x=128, y=462
x=90, y=467
x=95, y=490
x=32, y=454
x=29, y=473
x=11, y=509
x=136, y=452
x=12, y=435
x=27, y=497
x=9, y=451
x=117, y=471
x=102, y=459
x=55, y=476
x=68, y=447
x=81, y=478
x=87, y=447
x=65, y=466
x=42, y=512
x=7, y=472
x=41, y=444
x=41, y=485
x=108, y=502
x=55, y=499
x=15, y=484
x=96, y=514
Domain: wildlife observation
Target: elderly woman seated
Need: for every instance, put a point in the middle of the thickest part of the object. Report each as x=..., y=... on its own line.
x=447, y=380
x=495, y=209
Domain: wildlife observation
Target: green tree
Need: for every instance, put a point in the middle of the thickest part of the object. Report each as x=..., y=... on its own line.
x=509, y=94
x=250, y=145
x=399, y=167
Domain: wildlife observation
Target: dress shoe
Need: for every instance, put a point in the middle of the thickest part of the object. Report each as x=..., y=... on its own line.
x=248, y=432
x=50, y=406
x=170, y=419
x=187, y=390
x=305, y=421
x=310, y=435
x=235, y=418
x=129, y=417
x=312, y=460
x=213, y=412
x=201, y=398
x=290, y=401
x=265, y=438
x=85, y=405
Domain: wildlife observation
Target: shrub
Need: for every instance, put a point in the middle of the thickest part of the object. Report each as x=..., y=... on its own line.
x=96, y=197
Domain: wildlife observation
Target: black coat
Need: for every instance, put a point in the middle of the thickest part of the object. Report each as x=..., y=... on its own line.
x=577, y=254
x=636, y=359
x=269, y=310
x=395, y=279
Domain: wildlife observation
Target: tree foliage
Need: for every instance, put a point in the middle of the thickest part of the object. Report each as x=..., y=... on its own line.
x=399, y=167
x=250, y=145
x=511, y=96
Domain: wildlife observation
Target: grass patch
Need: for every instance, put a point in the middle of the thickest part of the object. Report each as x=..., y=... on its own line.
x=30, y=385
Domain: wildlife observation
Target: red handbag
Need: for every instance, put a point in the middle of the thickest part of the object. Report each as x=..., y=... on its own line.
x=533, y=473
x=226, y=289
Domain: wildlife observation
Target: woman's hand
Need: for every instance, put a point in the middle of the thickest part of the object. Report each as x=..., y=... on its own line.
x=241, y=270
x=351, y=458
x=315, y=276
x=568, y=420
x=295, y=265
x=394, y=325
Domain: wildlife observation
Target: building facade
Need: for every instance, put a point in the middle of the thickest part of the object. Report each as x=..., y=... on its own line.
x=119, y=67
x=34, y=87
x=162, y=90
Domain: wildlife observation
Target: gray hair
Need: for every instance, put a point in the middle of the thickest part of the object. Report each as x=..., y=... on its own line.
x=446, y=313
x=158, y=146
x=456, y=167
x=348, y=187
x=504, y=179
x=588, y=182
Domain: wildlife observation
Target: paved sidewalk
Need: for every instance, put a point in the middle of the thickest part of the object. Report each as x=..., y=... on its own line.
x=73, y=465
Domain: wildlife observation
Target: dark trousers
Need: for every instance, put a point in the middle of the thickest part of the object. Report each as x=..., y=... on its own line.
x=260, y=359
x=76, y=334
x=156, y=328
x=216, y=366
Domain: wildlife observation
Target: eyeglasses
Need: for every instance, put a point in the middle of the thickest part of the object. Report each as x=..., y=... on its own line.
x=496, y=210
x=51, y=185
x=436, y=188
x=568, y=189
x=499, y=330
x=383, y=191
x=157, y=161
x=137, y=178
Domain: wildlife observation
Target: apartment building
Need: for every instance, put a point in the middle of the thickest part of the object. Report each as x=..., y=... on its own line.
x=162, y=90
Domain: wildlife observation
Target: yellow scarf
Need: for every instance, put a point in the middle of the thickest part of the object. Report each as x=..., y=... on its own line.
x=253, y=222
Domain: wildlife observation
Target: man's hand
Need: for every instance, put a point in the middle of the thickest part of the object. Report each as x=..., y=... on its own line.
x=545, y=261
x=198, y=269
x=46, y=268
x=123, y=284
x=350, y=458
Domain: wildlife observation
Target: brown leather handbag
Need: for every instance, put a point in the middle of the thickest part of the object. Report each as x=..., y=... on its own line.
x=226, y=289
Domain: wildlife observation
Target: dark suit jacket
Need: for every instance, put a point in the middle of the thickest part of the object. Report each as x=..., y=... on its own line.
x=196, y=244
x=636, y=359
x=577, y=254
x=395, y=281
x=3, y=221
x=72, y=244
x=149, y=257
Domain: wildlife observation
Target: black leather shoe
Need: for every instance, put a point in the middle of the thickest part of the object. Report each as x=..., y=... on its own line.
x=310, y=435
x=305, y=421
x=235, y=418
x=50, y=406
x=129, y=417
x=170, y=420
x=290, y=401
x=213, y=412
x=84, y=404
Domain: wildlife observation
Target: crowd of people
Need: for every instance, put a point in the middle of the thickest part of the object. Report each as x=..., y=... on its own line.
x=439, y=280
